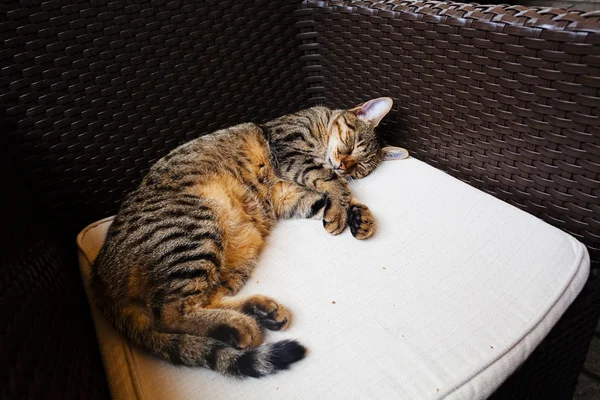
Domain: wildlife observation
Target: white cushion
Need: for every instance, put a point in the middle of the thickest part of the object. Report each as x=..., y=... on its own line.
x=448, y=298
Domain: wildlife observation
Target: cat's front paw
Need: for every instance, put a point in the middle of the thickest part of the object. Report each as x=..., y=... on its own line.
x=268, y=312
x=335, y=218
x=361, y=221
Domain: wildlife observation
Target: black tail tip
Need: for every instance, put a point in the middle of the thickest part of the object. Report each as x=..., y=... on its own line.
x=270, y=358
x=285, y=353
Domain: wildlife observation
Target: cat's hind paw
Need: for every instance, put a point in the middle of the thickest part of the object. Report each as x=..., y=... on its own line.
x=268, y=313
x=241, y=332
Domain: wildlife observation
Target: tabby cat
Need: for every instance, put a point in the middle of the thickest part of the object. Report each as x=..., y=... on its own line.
x=189, y=236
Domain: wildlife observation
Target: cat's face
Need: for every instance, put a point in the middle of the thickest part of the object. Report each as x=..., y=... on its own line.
x=354, y=149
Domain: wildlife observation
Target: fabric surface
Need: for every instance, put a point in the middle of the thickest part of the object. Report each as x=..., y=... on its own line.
x=448, y=298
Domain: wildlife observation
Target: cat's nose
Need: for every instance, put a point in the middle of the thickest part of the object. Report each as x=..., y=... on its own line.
x=341, y=167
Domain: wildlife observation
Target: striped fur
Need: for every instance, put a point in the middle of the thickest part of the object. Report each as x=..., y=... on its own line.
x=186, y=240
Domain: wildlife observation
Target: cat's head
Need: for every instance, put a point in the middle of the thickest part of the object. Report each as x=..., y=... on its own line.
x=353, y=148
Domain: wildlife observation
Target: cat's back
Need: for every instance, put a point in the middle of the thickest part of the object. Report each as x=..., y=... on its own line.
x=220, y=152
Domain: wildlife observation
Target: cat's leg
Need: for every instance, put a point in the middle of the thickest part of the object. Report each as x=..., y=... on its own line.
x=232, y=320
x=186, y=304
x=321, y=178
x=291, y=200
x=195, y=318
x=265, y=310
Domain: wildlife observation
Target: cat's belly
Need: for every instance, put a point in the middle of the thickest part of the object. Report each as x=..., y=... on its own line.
x=245, y=217
x=241, y=198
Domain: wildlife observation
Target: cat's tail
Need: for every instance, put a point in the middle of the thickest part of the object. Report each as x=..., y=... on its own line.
x=190, y=350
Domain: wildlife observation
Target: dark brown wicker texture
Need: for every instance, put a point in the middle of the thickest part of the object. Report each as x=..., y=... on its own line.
x=102, y=89
x=505, y=98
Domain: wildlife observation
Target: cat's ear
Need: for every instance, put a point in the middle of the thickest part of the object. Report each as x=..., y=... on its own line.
x=393, y=153
x=374, y=110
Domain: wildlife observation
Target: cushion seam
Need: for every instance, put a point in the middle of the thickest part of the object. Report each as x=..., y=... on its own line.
x=579, y=262
x=85, y=231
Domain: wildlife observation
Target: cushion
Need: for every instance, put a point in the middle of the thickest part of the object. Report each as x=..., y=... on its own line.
x=452, y=293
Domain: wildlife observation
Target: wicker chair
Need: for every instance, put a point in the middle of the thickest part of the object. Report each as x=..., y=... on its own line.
x=506, y=98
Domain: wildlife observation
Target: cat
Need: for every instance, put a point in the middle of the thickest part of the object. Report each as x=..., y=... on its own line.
x=186, y=240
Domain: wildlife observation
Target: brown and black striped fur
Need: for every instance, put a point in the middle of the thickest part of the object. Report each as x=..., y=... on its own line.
x=187, y=239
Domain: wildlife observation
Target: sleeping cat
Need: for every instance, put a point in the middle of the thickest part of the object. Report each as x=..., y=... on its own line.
x=189, y=236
